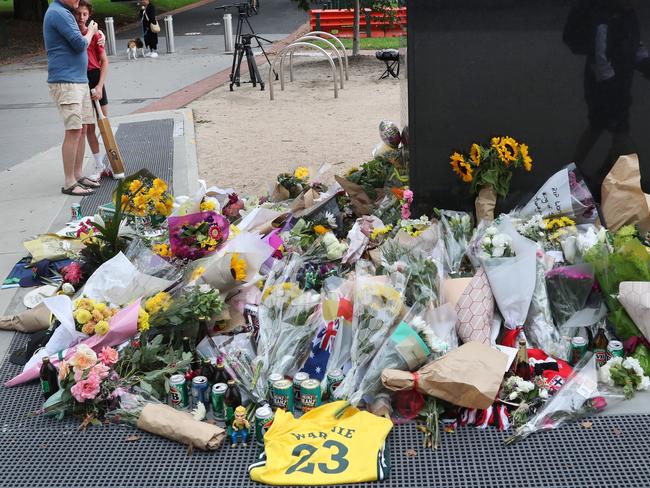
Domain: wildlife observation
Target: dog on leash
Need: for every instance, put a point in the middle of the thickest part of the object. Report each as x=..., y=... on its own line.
x=132, y=48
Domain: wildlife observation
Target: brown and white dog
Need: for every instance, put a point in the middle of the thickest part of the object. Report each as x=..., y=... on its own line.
x=132, y=48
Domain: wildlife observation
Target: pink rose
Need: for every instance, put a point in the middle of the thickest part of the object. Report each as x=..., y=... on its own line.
x=86, y=389
x=408, y=196
x=101, y=370
x=109, y=356
x=406, y=211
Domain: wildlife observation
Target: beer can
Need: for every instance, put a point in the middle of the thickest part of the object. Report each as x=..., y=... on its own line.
x=75, y=211
x=310, y=395
x=334, y=379
x=578, y=349
x=282, y=395
x=216, y=400
x=263, y=420
x=178, y=394
x=297, y=381
x=274, y=378
x=200, y=391
x=614, y=349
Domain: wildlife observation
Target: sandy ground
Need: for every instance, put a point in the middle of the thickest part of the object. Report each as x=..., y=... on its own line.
x=244, y=139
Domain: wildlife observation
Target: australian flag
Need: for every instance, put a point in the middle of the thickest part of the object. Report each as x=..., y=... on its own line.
x=321, y=347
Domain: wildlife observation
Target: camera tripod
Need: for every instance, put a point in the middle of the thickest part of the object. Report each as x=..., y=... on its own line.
x=244, y=47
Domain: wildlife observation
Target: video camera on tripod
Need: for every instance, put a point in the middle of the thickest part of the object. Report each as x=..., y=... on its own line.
x=243, y=45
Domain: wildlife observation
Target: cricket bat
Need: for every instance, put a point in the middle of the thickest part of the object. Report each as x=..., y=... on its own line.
x=112, y=150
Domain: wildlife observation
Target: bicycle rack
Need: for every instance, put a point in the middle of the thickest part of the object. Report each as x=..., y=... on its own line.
x=290, y=49
x=333, y=37
x=312, y=38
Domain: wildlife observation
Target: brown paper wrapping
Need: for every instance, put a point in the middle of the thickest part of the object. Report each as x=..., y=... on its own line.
x=181, y=427
x=359, y=199
x=38, y=318
x=453, y=289
x=623, y=200
x=305, y=200
x=280, y=193
x=469, y=376
x=272, y=225
x=485, y=203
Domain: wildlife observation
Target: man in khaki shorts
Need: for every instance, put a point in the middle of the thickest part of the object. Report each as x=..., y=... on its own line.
x=67, y=62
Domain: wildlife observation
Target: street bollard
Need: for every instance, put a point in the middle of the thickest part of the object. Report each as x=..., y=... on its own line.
x=110, y=36
x=228, y=41
x=169, y=34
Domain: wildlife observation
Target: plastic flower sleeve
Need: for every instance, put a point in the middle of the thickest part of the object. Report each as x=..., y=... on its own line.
x=579, y=397
x=197, y=235
x=239, y=355
x=457, y=232
x=378, y=301
x=411, y=344
x=539, y=327
x=568, y=289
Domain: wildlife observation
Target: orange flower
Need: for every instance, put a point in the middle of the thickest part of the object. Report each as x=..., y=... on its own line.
x=398, y=192
x=320, y=229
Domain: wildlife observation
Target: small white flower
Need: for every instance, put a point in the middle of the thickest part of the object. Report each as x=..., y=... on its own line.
x=501, y=240
x=525, y=386
x=543, y=393
x=512, y=396
x=199, y=412
x=331, y=220
x=205, y=288
x=67, y=288
x=491, y=231
x=497, y=251
x=645, y=383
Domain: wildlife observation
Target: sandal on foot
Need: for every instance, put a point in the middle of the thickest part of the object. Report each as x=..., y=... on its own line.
x=71, y=190
x=88, y=182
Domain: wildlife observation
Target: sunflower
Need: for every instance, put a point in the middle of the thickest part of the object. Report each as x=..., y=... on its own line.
x=238, y=267
x=461, y=168
x=528, y=161
x=475, y=154
x=507, y=148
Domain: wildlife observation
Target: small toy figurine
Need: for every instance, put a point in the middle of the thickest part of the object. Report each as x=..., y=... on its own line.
x=240, y=427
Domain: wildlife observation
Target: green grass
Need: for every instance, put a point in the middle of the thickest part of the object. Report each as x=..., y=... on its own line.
x=370, y=43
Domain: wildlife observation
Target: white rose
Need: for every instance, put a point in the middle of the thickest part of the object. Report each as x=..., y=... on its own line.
x=512, y=396
x=497, y=251
x=543, y=393
x=501, y=240
x=68, y=289
x=491, y=231
x=645, y=383
x=205, y=288
x=526, y=386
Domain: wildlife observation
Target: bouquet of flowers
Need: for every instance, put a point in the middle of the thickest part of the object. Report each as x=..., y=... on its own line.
x=412, y=343
x=568, y=290
x=527, y=396
x=579, y=397
x=146, y=195
x=239, y=356
x=627, y=373
x=457, y=232
x=91, y=317
x=290, y=184
x=87, y=384
x=564, y=193
x=495, y=244
x=548, y=232
x=488, y=170
x=378, y=301
x=197, y=235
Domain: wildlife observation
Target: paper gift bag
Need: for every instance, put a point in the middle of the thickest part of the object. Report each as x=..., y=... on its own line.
x=361, y=203
x=453, y=289
x=635, y=298
x=469, y=376
x=475, y=310
x=623, y=200
x=178, y=426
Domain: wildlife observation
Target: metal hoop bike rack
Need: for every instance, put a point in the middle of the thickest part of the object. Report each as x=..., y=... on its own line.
x=310, y=38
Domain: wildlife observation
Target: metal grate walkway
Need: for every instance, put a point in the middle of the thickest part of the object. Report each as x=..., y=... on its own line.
x=43, y=452
x=149, y=145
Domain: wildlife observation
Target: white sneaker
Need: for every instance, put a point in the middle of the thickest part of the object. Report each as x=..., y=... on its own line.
x=154, y=54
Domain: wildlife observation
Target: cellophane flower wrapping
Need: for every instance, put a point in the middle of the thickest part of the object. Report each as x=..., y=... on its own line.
x=197, y=235
x=457, y=233
x=539, y=326
x=412, y=343
x=512, y=279
x=564, y=193
x=239, y=356
x=579, y=397
x=568, y=289
x=288, y=319
x=378, y=302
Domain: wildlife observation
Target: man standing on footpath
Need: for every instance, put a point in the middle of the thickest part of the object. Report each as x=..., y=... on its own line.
x=67, y=62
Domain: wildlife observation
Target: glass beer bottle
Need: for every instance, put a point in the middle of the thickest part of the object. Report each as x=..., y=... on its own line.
x=522, y=367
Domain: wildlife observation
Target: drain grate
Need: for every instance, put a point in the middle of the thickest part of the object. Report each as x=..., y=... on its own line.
x=43, y=452
x=149, y=145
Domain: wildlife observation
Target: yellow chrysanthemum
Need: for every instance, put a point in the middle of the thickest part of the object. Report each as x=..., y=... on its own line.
x=159, y=185
x=301, y=173
x=161, y=208
x=380, y=231
x=160, y=301
x=82, y=316
x=528, y=161
x=475, y=154
x=143, y=320
x=320, y=229
x=101, y=328
x=162, y=250
x=197, y=273
x=238, y=267
x=207, y=206
x=135, y=186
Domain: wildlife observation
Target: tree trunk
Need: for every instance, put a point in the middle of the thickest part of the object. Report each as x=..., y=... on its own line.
x=355, y=28
x=33, y=10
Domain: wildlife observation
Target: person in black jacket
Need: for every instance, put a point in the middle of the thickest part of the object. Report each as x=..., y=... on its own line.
x=614, y=51
x=148, y=17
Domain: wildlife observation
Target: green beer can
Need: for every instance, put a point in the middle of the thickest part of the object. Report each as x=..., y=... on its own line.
x=263, y=420
x=282, y=395
x=216, y=400
x=178, y=392
x=578, y=349
x=334, y=379
x=310, y=395
x=614, y=349
x=273, y=378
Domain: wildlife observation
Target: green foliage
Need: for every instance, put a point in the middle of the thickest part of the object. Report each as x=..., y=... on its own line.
x=375, y=175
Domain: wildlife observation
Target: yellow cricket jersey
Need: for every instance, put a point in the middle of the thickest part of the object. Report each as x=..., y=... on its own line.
x=319, y=449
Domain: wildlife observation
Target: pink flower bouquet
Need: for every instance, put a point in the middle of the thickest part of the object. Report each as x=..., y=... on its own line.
x=197, y=235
